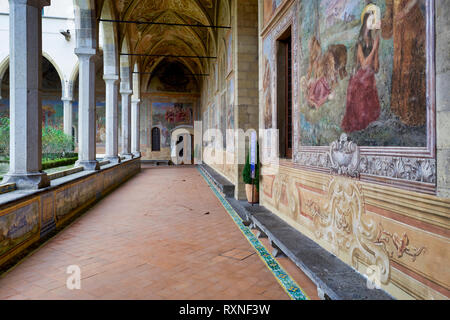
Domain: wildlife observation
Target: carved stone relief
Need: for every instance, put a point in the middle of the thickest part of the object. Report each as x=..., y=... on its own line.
x=344, y=157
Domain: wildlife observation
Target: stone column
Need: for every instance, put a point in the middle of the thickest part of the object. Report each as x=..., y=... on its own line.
x=112, y=125
x=86, y=112
x=126, y=124
x=135, y=128
x=25, y=27
x=68, y=115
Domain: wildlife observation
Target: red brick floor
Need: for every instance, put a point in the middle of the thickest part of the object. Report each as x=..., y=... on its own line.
x=152, y=239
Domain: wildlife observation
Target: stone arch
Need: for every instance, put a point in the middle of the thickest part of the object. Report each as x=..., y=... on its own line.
x=222, y=64
x=4, y=67
x=125, y=66
x=58, y=70
x=73, y=81
x=109, y=39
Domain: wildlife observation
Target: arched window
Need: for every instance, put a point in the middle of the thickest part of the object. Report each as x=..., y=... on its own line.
x=156, y=139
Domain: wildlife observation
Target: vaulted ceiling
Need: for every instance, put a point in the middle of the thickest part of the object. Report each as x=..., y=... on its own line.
x=166, y=39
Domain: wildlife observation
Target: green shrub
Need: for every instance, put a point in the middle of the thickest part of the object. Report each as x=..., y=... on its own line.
x=55, y=142
x=247, y=173
x=58, y=163
x=4, y=136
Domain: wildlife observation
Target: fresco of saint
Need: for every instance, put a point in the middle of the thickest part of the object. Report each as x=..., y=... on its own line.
x=363, y=104
x=405, y=23
x=267, y=95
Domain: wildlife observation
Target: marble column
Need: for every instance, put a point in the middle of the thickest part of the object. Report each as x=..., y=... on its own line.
x=126, y=124
x=68, y=115
x=135, y=128
x=86, y=110
x=112, y=118
x=25, y=27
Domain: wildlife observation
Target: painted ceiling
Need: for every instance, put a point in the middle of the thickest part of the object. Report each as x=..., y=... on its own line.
x=170, y=40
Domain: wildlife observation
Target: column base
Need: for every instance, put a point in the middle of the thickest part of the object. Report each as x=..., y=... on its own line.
x=88, y=165
x=112, y=159
x=127, y=156
x=30, y=181
x=137, y=154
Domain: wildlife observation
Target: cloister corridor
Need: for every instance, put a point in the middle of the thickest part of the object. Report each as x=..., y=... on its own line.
x=162, y=235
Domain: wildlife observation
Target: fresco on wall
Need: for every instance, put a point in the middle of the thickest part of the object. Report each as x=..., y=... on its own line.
x=205, y=125
x=270, y=6
x=167, y=116
x=100, y=122
x=230, y=105
x=267, y=81
x=18, y=226
x=363, y=72
x=213, y=117
x=230, y=115
x=223, y=118
x=52, y=110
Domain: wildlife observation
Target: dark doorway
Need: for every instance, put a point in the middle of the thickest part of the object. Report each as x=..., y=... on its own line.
x=284, y=94
x=156, y=139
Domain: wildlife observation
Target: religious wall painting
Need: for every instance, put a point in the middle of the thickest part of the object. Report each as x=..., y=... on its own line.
x=230, y=105
x=167, y=116
x=18, y=225
x=364, y=72
x=230, y=116
x=268, y=66
x=205, y=124
x=52, y=112
x=223, y=118
x=100, y=122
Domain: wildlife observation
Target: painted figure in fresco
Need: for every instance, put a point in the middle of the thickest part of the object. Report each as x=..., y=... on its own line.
x=363, y=104
x=324, y=72
x=404, y=21
x=267, y=95
x=318, y=88
x=182, y=115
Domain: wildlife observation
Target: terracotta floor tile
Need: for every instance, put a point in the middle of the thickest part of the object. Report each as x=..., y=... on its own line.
x=150, y=239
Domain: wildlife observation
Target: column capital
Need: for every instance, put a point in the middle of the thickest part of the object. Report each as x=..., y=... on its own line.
x=85, y=51
x=111, y=77
x=126, y=92
x=69, y=99
x=32, y=3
